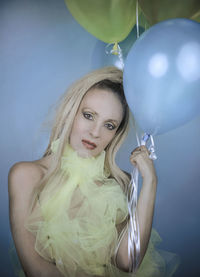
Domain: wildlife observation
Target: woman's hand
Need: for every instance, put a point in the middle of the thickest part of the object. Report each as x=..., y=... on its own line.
x=140, y=159
x=145, y=205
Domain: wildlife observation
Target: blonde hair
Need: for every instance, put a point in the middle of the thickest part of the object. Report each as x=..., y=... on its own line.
x=66, y=112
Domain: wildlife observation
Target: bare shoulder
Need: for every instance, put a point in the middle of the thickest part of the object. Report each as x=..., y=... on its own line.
x=25, y=176
x=25, y=171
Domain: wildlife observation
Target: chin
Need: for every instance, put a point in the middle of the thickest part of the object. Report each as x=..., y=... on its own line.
x=84, y=153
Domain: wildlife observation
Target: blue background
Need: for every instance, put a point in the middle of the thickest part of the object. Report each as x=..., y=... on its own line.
x=42, y=50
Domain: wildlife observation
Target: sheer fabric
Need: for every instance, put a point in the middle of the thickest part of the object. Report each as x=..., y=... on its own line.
x=75, y=221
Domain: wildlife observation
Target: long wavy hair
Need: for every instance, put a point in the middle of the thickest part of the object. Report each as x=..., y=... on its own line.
x=109, y=78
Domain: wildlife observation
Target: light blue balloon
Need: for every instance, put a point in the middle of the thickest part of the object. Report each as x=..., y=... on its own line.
x=100, y=58
x=162, y=75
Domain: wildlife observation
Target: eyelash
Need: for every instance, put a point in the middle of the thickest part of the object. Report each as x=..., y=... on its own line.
x=109, y=126
x=88, y=116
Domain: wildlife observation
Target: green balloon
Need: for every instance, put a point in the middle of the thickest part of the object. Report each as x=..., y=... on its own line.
x=158, y=10
x=196, y=16
x=109, y=20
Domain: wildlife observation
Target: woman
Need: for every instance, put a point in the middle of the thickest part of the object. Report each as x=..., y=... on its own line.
x=68, y=209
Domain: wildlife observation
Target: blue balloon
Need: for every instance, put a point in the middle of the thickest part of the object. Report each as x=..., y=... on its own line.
x=162, y=75
x=100, y=58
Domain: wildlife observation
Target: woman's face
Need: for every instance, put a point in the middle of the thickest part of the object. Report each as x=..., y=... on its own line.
x=96, y=122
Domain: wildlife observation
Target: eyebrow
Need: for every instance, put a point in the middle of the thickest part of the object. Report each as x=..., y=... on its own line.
x=110, y=119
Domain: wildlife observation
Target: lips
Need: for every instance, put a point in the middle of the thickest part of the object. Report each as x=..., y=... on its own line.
x=88, y=144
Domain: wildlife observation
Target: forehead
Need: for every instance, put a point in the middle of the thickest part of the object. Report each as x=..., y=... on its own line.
x=104, y=102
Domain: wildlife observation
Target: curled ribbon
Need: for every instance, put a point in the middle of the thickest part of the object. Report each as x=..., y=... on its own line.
x=133, y=227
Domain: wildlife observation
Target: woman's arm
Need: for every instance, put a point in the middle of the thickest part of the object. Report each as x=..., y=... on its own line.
x=145, y=206
x=22, y=180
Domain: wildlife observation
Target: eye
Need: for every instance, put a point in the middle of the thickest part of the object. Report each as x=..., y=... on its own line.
x=88, y=116
x=110, y=126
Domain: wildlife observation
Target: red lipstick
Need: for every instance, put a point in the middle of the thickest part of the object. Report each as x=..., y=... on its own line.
x=88, y=144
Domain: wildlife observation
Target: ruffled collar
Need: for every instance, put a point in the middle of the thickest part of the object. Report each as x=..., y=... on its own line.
x=79, y=168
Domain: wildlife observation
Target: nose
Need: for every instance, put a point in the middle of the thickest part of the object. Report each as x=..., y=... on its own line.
x=95, y=130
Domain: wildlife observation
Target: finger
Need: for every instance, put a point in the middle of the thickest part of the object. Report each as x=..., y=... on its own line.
x=140, y=149
x=133, y=162
x=140, y=156
x=136, y=150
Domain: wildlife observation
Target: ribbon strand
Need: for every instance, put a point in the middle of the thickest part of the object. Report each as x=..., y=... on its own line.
x=133, y=227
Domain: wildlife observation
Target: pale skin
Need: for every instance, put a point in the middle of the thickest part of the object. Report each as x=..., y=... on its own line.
x=97, y=120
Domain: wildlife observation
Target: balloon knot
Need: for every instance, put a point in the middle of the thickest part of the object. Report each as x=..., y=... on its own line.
x=115, y=50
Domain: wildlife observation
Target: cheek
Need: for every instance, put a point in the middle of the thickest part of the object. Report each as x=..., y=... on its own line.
x=80, y=127
x=77, y=125
x=108, y=137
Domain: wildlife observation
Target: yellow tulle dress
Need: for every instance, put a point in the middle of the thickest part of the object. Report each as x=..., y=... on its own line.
x=75, y=221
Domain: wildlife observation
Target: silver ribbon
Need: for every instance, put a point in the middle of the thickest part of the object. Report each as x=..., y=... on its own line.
x=133, y=227
x=137, y=20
